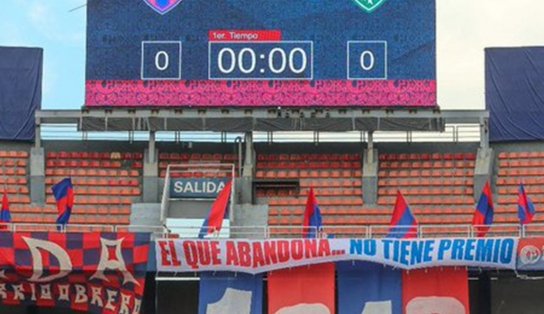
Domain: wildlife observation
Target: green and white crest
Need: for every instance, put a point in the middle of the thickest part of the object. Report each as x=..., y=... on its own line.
x=369, y=5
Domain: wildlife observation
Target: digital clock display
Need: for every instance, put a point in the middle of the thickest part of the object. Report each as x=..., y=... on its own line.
x=247, y=53
x=284, y=60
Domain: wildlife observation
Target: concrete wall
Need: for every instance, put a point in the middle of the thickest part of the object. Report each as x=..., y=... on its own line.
x=248, y=216
x=143, y=214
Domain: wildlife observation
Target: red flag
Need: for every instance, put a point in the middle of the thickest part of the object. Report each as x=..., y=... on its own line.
x=308, y=289
x=214, y=221
x=435, y=290
x=403, y=223
x=312, y=217
x=5, y=215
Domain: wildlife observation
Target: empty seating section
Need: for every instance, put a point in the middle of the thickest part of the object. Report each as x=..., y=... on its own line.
x=336, y=179
x=105, y=186
x=513, y=168
x=198, y=165
x=14, y=177
x=438, y=186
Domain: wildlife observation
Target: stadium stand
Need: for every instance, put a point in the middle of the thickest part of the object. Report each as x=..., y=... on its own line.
x=14, y=179
x=439, y=183
x=439, y=187
x=285, y=179
x=513, y=168
x=105, y=186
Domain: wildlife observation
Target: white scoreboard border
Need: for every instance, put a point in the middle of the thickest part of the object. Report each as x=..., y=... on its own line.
x=384, y=42
x=180, y=44
x=311, y=78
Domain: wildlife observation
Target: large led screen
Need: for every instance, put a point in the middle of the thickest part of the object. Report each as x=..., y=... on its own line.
x=261, y=53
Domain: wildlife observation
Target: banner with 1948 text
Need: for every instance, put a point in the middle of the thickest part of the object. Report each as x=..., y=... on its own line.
x=256, y=256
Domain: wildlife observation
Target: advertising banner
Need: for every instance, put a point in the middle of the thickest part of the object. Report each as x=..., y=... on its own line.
x=530, y=254
x=368, y=288
x=224, y=292
x=94, y=272
x=257, y=256
x=308, y=289
x=247, y=53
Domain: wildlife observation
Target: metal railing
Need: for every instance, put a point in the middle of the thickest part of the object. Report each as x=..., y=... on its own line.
x=374, y=231
x=34, y=227
x=453, y=133
x=265, y=232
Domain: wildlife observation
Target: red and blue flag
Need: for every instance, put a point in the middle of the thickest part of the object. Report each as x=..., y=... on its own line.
x=5, y=215
x=64, y=196
x=526, y=208
x=483, y=216
x=312, y=217
x=214, y=221
x=403, y=223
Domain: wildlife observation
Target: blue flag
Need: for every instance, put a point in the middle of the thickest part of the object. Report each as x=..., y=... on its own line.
x=368, y=288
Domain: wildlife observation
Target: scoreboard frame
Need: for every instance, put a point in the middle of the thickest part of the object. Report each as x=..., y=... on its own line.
x=180, y=61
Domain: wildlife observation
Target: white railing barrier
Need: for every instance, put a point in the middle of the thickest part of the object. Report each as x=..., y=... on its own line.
x=264, y=232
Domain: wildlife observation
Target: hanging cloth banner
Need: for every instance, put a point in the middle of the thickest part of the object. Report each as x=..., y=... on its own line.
x=436, y=290
x=226, y=292
x=368, y=288
x=91, y=272
x=257, y=256
x=302, y=290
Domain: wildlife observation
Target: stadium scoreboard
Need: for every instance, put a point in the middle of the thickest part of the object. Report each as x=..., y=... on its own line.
x=240, y=53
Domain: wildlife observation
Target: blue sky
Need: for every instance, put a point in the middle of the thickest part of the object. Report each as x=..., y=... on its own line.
x=464, y=29
x=50, y=25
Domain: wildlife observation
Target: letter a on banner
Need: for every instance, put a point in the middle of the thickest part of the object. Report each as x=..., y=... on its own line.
x=226, y=292
x=436, y=291
x=368, y=288
x=306, y=289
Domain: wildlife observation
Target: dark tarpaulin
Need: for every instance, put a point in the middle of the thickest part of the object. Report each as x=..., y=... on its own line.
x=20, y=91
x=514, y=87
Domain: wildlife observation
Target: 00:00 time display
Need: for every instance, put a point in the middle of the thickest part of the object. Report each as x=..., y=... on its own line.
x=261, y=60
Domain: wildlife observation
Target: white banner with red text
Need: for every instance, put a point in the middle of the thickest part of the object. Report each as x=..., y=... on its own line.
x=257, y=256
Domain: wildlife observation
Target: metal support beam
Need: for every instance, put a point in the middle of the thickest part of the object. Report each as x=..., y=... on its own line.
x=260, y=119
x=246, y=184
x=370, y=150
x=151, y=148
x=38, y=136
x=484, y=133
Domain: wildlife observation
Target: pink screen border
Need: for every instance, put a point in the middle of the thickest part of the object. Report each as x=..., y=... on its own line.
x=386, y=93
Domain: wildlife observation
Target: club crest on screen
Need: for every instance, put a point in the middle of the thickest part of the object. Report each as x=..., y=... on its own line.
x=370, y=5
x=162, y=6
